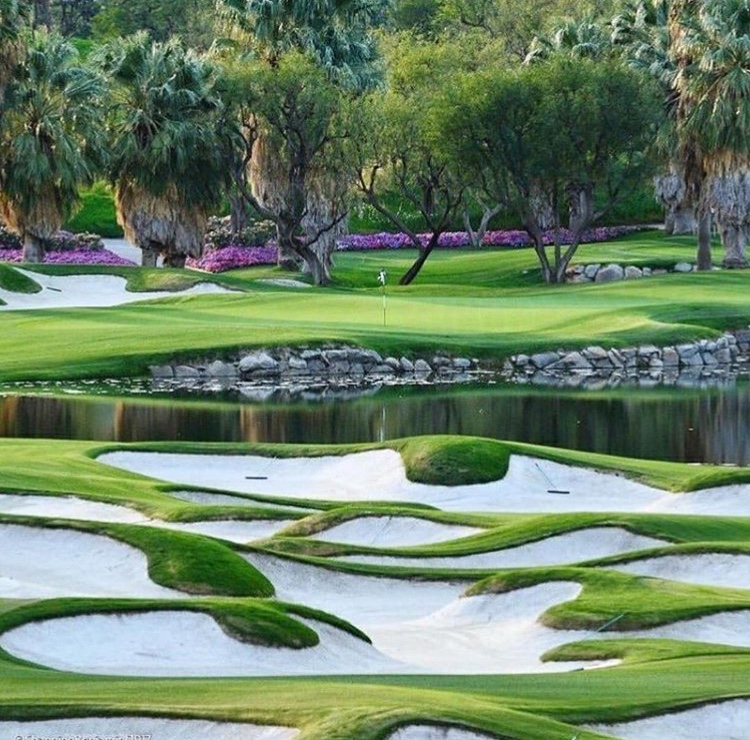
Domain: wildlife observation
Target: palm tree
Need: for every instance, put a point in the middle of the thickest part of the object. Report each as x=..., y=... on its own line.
x=49, y=140
x=13, y=16
x=337, y=37
x=166, y=159
x=641, y=31
x=584, y=40
x=719, y=117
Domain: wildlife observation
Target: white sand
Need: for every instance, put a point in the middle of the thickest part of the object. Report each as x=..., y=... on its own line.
x=393, y=531
x=710, y=569
x=380, y=474
x=433, y=732
x=179, y=643
x=88, y=291
x=572, y=547
x=70, y=507
x=426, y=624
x=285, y=282
x=158, y=729
x=232, y=530
x=44, y=563
x=67, y=507
x=727, y=720
x=207, y=498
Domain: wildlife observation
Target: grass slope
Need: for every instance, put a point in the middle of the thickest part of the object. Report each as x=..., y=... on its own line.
x=486, y=303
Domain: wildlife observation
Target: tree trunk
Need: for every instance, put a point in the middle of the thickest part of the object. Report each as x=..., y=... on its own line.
x=174, y=259
x=408, y=277
x=668, y=221
x=541, y=205
x=149, y=255
x=237, y=213
x=317, y=268
x=477, y=237
x=684, y=220
x=33, y=248
x=734, y=239
x=704, y=242
x=42, y=14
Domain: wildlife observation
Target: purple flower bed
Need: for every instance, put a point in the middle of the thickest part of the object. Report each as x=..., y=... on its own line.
x=232, y=258
x=505, y=238
x=71, y=257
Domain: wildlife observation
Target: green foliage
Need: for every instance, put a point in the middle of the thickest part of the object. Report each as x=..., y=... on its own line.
x=337, y=37
x=97, y=212
x=552, y=137
x=190, y=20
x=50, y=134
x=163, y=120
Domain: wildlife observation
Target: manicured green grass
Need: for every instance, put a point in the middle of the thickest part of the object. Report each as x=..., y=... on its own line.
x=97, y=213
x=179, y=560
x=473, y=303
x=16, y=282
x=252, y=621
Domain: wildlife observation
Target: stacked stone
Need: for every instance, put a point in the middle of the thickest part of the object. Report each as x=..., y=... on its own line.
x=706, y=353
x=329, y=362
x=597, y=273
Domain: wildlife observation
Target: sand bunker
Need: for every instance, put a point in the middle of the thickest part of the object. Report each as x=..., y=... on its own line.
x=179, y=643
x=380, y=474
x=230, y=529
x=70, y=507
x=227, y=499
x=426, y=624
x=44, y=563
x=572, y=547
x=159, y=729
x=710, y=569
x=433, y=732
x=485, y=634
x=88, y=291
x=67, y=507
x=393, y=531
x=727, y=720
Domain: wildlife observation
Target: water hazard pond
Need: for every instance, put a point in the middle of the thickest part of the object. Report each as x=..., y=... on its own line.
x=708, y=424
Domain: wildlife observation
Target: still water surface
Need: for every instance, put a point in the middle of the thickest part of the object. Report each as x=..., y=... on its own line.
x=690, y=425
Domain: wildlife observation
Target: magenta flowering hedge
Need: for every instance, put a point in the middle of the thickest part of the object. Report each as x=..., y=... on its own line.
x=71, y=257
x=232, y=258
x=504, y=238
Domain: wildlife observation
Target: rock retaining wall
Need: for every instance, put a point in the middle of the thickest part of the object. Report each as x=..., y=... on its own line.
x=598, y=273
x=326, y=362
x=354, y=365
x=727, y=350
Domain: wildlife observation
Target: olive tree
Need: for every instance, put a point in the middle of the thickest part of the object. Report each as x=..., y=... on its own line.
x=565, y=136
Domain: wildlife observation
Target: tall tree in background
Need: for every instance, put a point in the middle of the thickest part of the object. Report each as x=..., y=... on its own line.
x=718, y=119
x=338, y=38
x=165, y=159
x=683, y=14
x=575, y=130
x=13, y=16
x=397, y=150
x=50, y=142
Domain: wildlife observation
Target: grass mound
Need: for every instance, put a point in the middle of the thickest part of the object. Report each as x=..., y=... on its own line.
x=16, y=282
x=453, y=461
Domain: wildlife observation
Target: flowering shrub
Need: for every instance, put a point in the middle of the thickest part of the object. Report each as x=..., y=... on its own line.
x=233, y=257
x=219, y=234
x=505, y=238
x=62, y=241
x=71, y=257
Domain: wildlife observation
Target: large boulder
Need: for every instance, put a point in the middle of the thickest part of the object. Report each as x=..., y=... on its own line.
x=610, y=273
